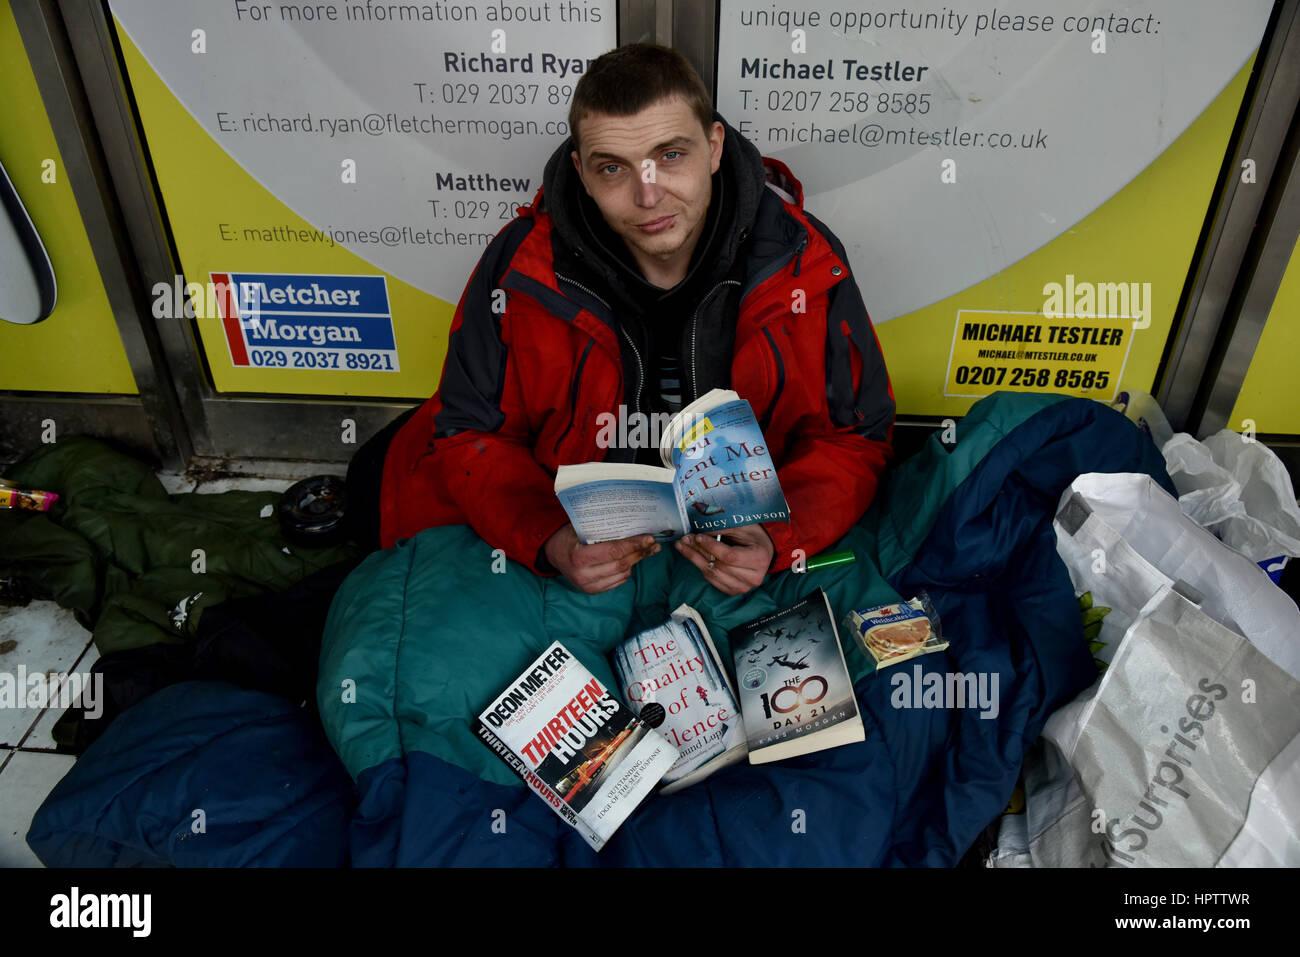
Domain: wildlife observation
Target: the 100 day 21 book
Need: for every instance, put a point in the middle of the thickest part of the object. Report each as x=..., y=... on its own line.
x=719, y=474
x=794, y=687
x=575, y=744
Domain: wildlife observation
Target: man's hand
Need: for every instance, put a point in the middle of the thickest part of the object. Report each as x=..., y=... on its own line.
x=600, y=567
x=734, y=565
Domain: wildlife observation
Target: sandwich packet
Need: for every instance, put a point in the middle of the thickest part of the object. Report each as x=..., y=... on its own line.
x=888, y=634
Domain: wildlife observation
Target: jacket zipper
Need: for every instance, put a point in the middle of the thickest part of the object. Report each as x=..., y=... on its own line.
x=589, y=292
x=695, y=320
x=640, y=370
x=766, y=420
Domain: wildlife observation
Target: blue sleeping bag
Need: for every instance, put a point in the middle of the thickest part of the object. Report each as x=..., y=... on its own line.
x=422, y=636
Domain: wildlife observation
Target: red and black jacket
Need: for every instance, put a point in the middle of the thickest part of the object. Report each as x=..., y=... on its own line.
x=535, y=356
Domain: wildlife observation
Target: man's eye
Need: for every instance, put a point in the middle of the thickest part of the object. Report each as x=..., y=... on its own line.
x=672, y=154
x=609, y=169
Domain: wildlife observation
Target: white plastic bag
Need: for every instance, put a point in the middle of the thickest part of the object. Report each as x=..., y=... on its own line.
x=1240, y=490
x=1186, y=751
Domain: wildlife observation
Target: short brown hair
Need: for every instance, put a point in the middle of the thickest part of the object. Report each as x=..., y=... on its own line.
x=626, y=80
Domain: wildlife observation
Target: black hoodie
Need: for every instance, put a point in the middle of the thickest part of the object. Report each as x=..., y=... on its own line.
x=703, y=307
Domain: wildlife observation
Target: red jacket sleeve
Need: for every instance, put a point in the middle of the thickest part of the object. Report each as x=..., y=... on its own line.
x=830, y=475
x=482, y=445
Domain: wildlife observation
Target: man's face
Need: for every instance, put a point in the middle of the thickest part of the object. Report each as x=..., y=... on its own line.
x=650, y=175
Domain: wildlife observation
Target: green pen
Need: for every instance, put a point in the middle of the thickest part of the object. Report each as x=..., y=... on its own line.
x=827, y=559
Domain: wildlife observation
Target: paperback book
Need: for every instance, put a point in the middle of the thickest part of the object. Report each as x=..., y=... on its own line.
x=717, y=474
x=575, y=744
x=672, y=677
x=795, y=692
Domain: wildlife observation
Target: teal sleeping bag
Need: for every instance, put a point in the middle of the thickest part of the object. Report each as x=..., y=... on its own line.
x=422, y=636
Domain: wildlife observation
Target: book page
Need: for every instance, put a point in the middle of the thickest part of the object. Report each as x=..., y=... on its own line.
x=620, y=508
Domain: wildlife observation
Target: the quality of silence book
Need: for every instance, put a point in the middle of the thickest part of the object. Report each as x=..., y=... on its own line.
x=575, y=744
x=672, y=677
x=718, y=474
x=795, y=692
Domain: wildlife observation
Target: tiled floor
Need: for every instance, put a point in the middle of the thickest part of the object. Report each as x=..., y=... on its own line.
x=42, y=637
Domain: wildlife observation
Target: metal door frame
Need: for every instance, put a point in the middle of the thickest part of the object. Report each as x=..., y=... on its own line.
x=1251, y=232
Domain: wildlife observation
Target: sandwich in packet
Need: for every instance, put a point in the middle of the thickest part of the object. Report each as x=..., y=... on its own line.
x=892, y=633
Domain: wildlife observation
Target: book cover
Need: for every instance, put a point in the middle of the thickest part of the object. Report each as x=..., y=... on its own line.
x=538, y=786
x=794, y=687
x=719, y=474
x=725, y=476
x=587, y=749
x=672, y=678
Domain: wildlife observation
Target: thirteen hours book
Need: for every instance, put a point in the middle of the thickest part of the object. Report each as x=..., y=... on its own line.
x=672, y=678
x=718, y=474
x=575, y=744
x=795, y=691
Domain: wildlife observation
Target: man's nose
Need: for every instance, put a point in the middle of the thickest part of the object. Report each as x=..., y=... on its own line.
x=648, y=191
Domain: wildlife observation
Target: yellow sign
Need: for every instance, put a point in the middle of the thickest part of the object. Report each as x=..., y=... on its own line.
x=1034, y=352
x=78, y=348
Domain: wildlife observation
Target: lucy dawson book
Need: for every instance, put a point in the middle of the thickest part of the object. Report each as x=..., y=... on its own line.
x=795, y=691
x=575, y=745
x=672, y=677
x=718, y=474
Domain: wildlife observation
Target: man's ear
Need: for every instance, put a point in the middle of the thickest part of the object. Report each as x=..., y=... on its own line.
x=716, y=134
x=577, y=164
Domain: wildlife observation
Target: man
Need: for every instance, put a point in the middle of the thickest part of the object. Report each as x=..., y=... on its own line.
x=654, y=264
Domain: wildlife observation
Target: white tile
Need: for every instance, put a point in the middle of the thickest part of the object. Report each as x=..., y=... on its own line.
x=41, y=737
x=177, y=483
x=25, y=783
x=14, y=722
x=36, y=638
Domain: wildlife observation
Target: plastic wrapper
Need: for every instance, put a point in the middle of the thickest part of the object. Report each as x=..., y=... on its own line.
x=891, y=633
x=27, y=499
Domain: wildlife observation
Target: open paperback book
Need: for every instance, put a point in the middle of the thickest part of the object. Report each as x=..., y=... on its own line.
x=718, y=474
